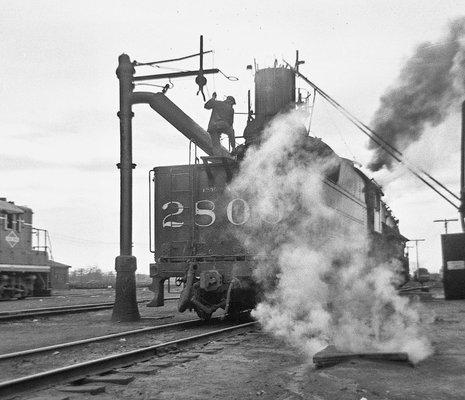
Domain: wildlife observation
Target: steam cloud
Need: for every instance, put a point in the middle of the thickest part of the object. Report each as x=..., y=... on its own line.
x=320, y=288
x=430, y=83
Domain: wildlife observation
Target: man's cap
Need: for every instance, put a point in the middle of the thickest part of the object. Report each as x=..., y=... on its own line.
x=233, y=101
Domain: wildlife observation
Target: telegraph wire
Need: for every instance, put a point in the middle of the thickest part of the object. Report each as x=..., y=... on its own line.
x=138, y=64
x=387, y=147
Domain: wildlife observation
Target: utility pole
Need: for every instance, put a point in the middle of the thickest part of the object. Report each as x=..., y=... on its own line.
x=462, y=172
x=416, y=248
x=446, y=221
x=407, y=250
x=407, y=255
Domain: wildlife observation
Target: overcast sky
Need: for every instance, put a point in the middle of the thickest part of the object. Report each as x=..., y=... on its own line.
x=60, y=133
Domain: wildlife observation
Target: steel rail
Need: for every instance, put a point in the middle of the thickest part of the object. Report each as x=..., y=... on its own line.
x=57, y=308
x=100, y=365
x=96, y=339
x=37, y=312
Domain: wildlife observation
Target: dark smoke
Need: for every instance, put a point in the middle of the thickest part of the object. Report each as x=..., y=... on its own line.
x=430, y=83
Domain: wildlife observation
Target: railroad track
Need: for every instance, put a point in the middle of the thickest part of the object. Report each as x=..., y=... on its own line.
x=44, y=312
x=79, y=371
x=60, y=346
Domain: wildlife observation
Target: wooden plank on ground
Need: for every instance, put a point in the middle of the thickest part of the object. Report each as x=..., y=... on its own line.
x=331, y=356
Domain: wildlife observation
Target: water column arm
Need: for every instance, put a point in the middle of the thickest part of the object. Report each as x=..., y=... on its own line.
x=178, y=118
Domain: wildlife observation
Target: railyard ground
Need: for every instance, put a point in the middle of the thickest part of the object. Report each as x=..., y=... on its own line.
x=71, y=297
x=262, y=367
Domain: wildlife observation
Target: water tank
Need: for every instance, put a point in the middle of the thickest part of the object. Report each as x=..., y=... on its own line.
x=274, y=91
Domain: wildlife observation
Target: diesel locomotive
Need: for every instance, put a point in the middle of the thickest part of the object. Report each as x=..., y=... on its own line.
x=26, y=266
x=196, y=220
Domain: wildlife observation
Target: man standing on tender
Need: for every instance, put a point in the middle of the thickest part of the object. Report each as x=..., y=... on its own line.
x=221, y=121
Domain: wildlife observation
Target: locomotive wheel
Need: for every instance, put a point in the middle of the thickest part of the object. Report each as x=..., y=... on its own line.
x=24, y=292
x=234, y=313
x=203, y=315
x=5, y=295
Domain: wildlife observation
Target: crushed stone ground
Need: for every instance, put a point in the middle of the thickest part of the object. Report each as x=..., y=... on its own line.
x=258, y=366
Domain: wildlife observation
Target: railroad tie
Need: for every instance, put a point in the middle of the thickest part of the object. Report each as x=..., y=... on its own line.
x=139, y=370
x=89, y=389
x=118, y=379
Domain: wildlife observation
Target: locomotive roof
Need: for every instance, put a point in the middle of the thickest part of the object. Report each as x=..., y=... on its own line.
x=370, y=181
x=10, y=208
x=320, y=147
x=57, y=264
x=24, y=268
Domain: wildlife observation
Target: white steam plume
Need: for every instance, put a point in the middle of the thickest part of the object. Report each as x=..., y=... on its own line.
x=320, y=286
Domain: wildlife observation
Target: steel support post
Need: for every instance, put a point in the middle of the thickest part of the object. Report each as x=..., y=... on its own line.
x=462, y=171
x=125, y=308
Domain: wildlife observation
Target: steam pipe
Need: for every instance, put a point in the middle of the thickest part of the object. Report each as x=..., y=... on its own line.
x=462, y=172
x=178, y=118
x=185, y=297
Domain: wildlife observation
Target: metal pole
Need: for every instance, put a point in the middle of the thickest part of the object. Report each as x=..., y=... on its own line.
x=416, y=248
x=125, y=308
x=446, y=222
x=462, y=172
x=201, y=53
x=418, y=262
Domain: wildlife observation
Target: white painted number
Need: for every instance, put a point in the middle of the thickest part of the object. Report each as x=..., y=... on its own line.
x=273, y=219
x=172, y=224
x=231, y=210
x=237, y=212
x=205, y=211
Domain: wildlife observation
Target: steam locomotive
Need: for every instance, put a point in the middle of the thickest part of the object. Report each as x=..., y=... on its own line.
x=197, y=221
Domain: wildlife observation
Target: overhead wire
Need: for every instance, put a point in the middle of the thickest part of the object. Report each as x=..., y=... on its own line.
x=168, y=68
x=336, y=128
x=229, y=77
x=172, y=59
x=366, y=129
x=387, y=147
x=311, y=111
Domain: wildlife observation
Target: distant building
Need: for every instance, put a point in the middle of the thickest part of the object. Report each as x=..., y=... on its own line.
x=26, y=264
x=59, y=275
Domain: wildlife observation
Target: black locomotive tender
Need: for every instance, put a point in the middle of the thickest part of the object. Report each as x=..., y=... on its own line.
x=196, y=221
